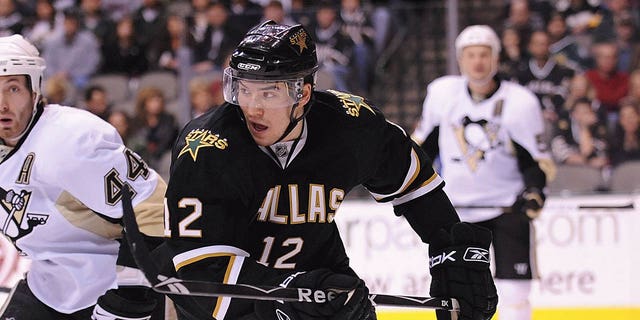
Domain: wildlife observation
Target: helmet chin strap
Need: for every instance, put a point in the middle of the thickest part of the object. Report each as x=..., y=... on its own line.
x=293, y=122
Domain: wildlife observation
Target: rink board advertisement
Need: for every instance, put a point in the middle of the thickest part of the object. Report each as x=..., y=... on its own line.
x=587, y=254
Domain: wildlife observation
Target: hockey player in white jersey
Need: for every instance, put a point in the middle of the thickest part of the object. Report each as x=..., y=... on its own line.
x=488, y=134
x=62, y=171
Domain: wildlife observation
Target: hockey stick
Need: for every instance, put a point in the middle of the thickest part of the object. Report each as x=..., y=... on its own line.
x=171, y=285
x=579, y=207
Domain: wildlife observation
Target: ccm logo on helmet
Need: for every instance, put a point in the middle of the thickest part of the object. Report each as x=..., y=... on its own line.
x=248, y=66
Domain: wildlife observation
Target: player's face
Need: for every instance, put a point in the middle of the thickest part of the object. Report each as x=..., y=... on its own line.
x=267, y=109
x=477, y=62
x=16, y=106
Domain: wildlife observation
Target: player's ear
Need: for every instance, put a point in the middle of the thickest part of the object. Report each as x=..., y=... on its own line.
x=306, y=94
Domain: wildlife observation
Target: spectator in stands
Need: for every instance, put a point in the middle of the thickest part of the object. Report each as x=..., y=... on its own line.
x=510, y=55
x=356, y=24
x=548, y=80
x=150, y=28
x=274, y=10
x=301, y=12
x=197, y=21
x=624, y=143
x=610, y=11
x=244, y=14
x=44, y=25
x=154, y=124
x=121, y=53
x=217, y=41
x=581, y=16
x=523, y=21
x=96, y=102
x=169, y=50
x=96, y=20
x=201, y=96
x=122, y=122
x=58, y=90
x=564, y=47
x=610, y=84
x=11, y=20
x=580, y=138
x=627, y=40
x=73, y=54
x=333, y=47
x=634, y=84
x=120, y=8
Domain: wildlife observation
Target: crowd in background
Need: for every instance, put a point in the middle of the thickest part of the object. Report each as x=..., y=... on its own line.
x=580, y=57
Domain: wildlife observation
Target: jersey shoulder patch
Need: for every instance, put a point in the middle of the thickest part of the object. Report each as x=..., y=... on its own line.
x=350, y=104
x=202, y=133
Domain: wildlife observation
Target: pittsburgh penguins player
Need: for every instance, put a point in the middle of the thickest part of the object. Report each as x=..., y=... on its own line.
x=488, y=134
x=61, y=174
x=255, y=186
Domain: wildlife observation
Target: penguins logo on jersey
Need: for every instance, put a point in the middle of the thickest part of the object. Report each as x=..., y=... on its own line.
x=14, y=204
x=351, y=103
x=201, y=138
x=475, y=138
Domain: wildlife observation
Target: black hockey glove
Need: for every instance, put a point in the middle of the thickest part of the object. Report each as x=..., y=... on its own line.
x=459, y=263
x=125, y=303
x=529, y=202
x=348, y=299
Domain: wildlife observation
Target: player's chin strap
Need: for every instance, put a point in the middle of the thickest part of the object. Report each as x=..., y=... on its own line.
x=293, y=121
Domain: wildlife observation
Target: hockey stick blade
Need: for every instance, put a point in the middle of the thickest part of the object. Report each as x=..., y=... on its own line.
x=175, y=286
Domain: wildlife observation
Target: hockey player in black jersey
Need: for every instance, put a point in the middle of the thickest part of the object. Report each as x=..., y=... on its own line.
x=255, y=186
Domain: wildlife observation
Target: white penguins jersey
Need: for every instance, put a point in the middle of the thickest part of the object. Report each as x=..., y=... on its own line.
x=475, y=140
x=60, y=192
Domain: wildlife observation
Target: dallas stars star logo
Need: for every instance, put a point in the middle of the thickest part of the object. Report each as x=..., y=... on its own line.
x=352, y=103
x=200, y=138
x=299, y=39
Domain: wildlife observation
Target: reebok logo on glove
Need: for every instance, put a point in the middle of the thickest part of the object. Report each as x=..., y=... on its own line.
x=441, y=258
x=476, y=255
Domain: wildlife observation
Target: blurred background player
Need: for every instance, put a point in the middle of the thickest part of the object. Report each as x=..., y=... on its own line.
x=61, y=174
x=488, y=134
x=256, y=183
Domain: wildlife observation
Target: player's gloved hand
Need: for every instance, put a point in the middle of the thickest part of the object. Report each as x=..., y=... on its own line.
x=459, y=263
x=15, y=199
x=529, y=202
x=348, y=298
x=125, y=303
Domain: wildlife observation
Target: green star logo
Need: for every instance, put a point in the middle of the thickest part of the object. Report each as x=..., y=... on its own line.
x=352, y=103
x=199, y=138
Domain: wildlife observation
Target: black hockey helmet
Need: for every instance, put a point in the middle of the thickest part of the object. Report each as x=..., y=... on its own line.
x=271, y=51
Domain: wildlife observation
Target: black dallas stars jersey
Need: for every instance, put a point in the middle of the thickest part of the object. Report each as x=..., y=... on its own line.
x=235, y=208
